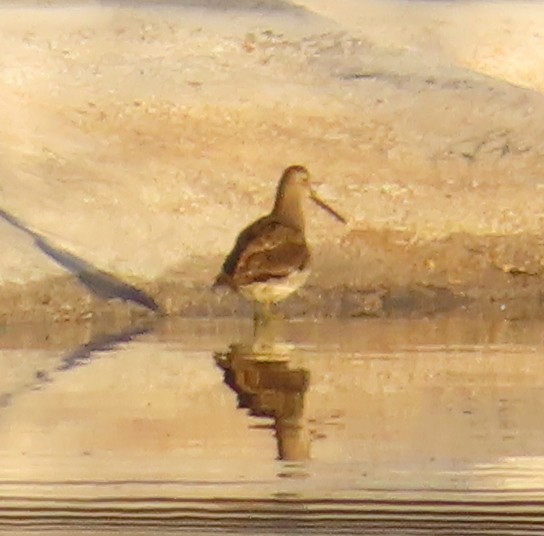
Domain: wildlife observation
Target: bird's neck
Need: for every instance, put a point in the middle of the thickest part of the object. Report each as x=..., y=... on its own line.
x=288, y=208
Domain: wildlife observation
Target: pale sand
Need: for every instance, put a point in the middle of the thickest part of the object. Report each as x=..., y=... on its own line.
x=142, y=140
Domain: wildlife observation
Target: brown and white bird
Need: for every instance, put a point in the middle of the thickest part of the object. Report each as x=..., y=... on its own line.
x=271, y=259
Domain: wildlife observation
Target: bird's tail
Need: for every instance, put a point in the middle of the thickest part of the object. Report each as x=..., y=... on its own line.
x=222, y=280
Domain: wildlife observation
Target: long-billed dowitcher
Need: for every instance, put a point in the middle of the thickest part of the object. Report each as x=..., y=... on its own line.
x=270, y=259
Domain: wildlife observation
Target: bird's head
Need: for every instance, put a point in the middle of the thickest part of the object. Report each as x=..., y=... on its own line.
x=295, y=183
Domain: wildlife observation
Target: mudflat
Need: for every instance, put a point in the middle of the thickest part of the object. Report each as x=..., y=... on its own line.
x=138, y=139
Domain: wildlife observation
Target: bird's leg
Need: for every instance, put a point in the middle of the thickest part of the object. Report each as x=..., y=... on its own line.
x=262, y=313
x=267, y=311
x=264, y=327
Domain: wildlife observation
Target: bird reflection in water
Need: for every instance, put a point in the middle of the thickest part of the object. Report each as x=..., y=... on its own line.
x=268, y=386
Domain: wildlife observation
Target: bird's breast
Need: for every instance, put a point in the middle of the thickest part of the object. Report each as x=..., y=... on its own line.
x=276, y=289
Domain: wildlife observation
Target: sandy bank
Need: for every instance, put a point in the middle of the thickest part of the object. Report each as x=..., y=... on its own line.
x=140, y=141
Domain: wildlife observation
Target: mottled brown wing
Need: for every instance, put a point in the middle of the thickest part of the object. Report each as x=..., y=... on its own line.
x=266, y=250
x=225, y=277
x=273, y=254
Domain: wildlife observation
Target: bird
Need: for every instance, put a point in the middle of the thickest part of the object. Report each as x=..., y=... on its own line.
x=270, y=259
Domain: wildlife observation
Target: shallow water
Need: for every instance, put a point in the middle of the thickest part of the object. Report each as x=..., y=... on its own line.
x=361, y=426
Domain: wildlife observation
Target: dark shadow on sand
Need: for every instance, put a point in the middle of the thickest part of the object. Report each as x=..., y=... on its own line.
x=100, y=283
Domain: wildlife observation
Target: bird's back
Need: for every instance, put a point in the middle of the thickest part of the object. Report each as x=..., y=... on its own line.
x=265, y=250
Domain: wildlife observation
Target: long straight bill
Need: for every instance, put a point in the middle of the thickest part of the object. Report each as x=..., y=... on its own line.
x=324, y=206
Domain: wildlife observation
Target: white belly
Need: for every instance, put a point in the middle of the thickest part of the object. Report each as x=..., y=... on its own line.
x=275, y=290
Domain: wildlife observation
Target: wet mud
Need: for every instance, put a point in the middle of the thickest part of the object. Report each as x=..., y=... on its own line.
x=374, y=274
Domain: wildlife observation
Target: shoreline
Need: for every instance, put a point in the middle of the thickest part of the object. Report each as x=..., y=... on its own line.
x=383, y=275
